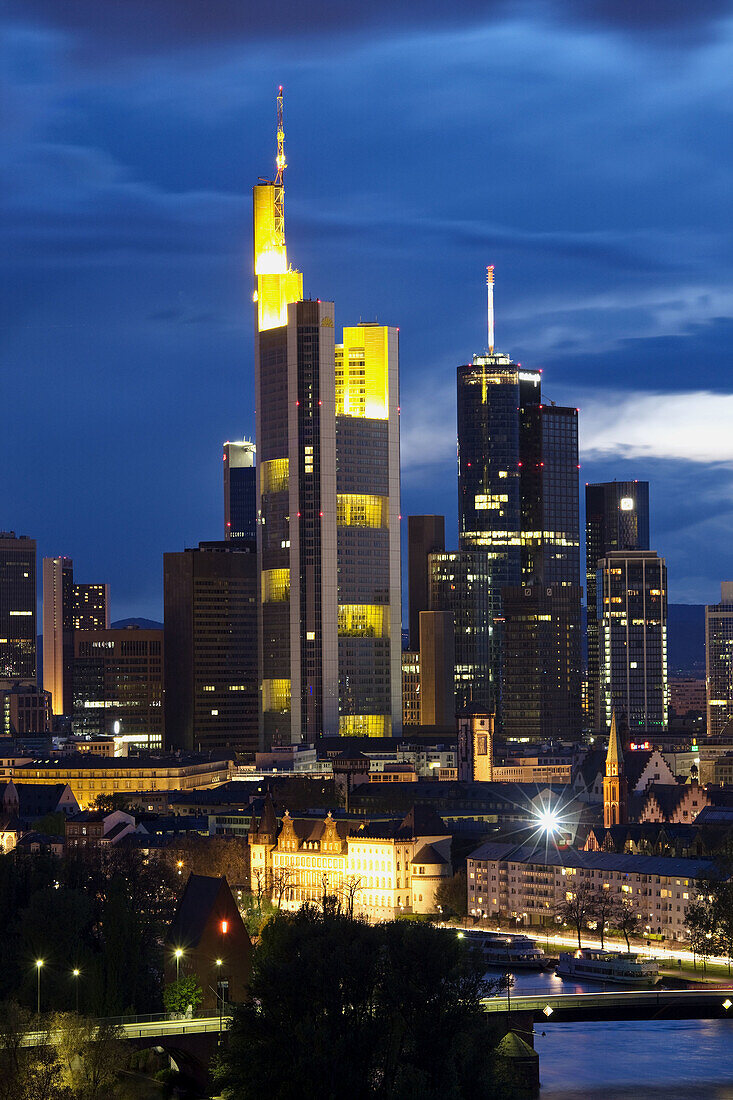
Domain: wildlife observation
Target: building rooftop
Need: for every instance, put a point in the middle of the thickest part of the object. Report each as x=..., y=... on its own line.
x=603, y=861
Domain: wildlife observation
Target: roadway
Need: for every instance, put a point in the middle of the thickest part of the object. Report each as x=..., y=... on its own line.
x=623, y=1004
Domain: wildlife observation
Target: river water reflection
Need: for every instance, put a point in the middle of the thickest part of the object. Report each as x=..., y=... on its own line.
x=623, y=1060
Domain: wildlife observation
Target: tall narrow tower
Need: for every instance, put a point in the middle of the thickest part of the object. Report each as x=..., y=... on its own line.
x=328, y=503
x=615, y=786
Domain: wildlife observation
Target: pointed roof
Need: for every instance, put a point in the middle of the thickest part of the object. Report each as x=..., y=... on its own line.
x=429, y=855
x=268, y=821
x=615, y=754
x=422, y=821
x=194, y=910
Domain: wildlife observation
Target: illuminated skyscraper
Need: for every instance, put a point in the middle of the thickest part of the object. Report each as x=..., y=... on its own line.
x=616, y=518
x=328, y=503
x=632, y=595
x=240, y=492
x=518, y=504
x=719, y=660
x=17, y=609
x=58, y=632
x=67, y=607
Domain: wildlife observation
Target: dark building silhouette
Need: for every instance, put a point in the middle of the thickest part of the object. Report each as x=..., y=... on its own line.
x=17, y=609
x=425, y=536
x=240, y=492
x=541, y=696
x=616, y=518
x=210, y=610
x=207, y=939
x=67, y=607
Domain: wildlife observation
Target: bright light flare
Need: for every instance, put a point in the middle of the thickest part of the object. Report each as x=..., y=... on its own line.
x=548, y=820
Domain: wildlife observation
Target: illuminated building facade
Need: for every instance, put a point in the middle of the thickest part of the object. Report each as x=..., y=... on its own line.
x=240, y=492
x=410, y=688
x=719, y=661
x=67, y=607
x=17, y=609
x=460, y=582
x=518, y=504
x=616, y=518
x=541, y=689
x=24, y=708
x=632, y=613
x=210, y=611
x=328, y=504
x=58, y=632
x=437, y=669
x=376, y=871
x=118, y=685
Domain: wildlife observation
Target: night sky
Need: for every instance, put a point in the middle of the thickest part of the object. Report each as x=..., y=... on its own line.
x=584, y=148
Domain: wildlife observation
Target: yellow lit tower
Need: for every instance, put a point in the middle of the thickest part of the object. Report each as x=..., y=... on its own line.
x=328, y=502
x=615, y=786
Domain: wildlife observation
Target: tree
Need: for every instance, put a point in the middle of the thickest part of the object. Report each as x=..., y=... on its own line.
x=182, y=994
x=27, y=1073
x=350, y=890
x=578, y=906
x=700, y=922
x=92, y=1055
x=390, y=1011
x=604, y=907
x=282, y=882
x=217, y=856
x=451, y=896
x=256, y=911
x=626, y=919
x=723, y=913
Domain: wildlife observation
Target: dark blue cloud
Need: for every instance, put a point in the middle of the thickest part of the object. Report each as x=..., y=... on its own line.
x=581, y=148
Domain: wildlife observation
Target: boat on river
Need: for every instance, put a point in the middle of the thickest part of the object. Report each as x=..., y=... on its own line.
x=608, y=967
x=507, y=952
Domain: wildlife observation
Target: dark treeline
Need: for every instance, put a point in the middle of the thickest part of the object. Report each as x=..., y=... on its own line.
x=104, y=917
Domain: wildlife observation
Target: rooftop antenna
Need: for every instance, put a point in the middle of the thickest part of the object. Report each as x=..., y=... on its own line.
x=279, y=198
x=490, y=305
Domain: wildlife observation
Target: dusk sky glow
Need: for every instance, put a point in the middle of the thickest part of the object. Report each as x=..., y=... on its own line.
x=584, y=148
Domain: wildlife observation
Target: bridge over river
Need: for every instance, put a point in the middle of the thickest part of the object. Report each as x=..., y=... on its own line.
x=702, y=1003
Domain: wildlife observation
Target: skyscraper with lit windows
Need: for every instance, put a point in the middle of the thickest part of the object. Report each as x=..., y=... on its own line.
x=328, y=503
x=518, y=504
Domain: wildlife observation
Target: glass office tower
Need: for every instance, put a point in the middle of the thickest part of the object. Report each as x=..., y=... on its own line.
x=719, y=660
x=616, y=518
x=17, y=609
x=631, y=589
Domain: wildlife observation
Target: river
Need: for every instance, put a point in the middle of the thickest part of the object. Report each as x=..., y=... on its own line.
x=624, y=1060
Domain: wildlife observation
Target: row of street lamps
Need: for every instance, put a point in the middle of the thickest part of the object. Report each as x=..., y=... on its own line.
x=75, y=973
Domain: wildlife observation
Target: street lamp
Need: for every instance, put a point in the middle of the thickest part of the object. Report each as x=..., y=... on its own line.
x=75, y=975
x=39, y=965
x=178, y=954
x=219, y=993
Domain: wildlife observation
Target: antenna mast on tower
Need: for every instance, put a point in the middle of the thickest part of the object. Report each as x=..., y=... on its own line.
x=490, y=305
x=281, y=163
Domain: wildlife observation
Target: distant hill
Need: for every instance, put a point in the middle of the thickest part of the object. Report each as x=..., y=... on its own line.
x=144, y=624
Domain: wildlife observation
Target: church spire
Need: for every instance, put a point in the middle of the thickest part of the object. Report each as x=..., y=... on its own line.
x=615, y=754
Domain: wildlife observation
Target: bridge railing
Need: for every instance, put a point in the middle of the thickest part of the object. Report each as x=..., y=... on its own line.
x=615, y=999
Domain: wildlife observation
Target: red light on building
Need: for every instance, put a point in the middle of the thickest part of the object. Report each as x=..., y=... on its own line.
x=224, y=927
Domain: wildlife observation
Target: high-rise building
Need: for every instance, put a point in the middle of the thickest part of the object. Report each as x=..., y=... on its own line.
x=118, y=685
x=410, y=688
x=425, y=535
x=328, y=504
x=460, y=583
x=632, y=597
x=719, y=660
x=211, y=682
x=17, y=609
x=91, y=607
x=437, y=669
x=67, y=607
x=24, y=708
x=518, y=504
x=240, y=492
x=616, y=518
x=541, y=696
x=58, y=632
